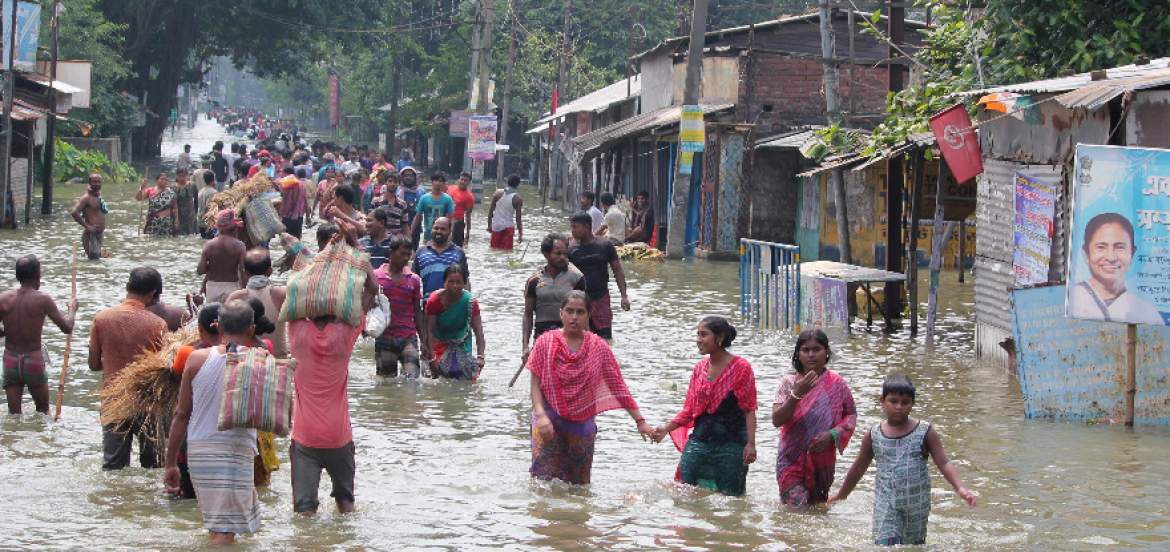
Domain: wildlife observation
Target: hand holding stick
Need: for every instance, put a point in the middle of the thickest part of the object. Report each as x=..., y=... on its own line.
x=68, y=340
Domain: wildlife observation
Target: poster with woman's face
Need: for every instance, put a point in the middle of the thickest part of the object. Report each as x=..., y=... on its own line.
x=1119, y=250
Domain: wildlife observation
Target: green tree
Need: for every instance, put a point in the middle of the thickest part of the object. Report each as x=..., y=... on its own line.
x=1046, y=38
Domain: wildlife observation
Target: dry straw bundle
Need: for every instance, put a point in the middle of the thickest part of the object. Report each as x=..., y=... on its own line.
x=237, y=197
x=147, y=386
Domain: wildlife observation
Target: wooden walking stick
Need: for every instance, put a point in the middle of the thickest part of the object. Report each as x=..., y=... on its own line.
x=68, y=340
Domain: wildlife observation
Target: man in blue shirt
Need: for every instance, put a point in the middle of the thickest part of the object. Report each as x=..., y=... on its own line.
x=433, y=258
x=433, y=206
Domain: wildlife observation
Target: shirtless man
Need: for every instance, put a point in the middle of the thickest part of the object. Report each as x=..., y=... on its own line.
x=175, y=317
x=258, y=266
x=222, y=261
x=23, y=313
x=90, y=213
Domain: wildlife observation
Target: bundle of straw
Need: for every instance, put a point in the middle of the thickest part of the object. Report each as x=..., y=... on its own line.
x=147, y=386
x=237, y=197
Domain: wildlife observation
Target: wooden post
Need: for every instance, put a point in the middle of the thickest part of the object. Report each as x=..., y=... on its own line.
x=912, y=264
x=1130, y=371
x=941, y=234
x=962, y=250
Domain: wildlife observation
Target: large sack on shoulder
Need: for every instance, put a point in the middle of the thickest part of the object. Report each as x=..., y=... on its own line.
x=257, y=392
x=331, y=286
x=262, y=219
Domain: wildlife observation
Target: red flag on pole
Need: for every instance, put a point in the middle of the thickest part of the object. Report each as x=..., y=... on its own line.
x=958, y=142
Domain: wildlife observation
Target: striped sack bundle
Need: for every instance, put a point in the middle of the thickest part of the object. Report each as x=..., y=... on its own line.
x=331, y=286
x=262, y=219
x=257, y=392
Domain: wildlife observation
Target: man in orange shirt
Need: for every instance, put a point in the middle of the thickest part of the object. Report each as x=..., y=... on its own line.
x=464, y=204
x=118, y=335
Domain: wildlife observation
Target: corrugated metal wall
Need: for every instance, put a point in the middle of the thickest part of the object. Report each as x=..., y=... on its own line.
x=1075, y=369
x=994, y=244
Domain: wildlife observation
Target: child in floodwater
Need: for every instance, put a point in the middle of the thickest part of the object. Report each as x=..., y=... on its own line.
x=902, y=487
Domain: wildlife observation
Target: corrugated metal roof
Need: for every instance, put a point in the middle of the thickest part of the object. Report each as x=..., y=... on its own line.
x=24, y=111
x=585, y=144
x=599, y=99
x=792, y=139
x=1081, y=90
x=537, y=129
x=766, y=25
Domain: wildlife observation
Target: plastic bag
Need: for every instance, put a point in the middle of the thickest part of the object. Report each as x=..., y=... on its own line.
x=378, y=317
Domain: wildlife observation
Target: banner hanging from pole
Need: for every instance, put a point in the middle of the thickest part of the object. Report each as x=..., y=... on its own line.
x=481, y=137
x=334, y=100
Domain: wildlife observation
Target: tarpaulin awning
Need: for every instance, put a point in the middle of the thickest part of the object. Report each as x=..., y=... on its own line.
x=586, y=145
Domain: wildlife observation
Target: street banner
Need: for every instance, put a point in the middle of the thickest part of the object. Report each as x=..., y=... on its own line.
x=457, y=124
x=1035, y=209
x=690, y=129
x=28, y=30
x=481, y=137
x=334, y=100
x=958, y=142
x=1119, y=243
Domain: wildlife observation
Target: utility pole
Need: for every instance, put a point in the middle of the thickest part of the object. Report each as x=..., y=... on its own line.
x=677, y=223
x=481, y=105
x=506, y=102
x=9, y=90
x=51, y=124
x=833, y=110
x=558, y=97
x=473, y=72
x=895, y=169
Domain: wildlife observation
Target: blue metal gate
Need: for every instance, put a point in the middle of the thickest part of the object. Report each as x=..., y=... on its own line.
x=769, y=284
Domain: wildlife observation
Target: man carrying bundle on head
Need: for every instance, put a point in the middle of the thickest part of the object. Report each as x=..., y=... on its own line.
x=23, y=312
x=323, y=326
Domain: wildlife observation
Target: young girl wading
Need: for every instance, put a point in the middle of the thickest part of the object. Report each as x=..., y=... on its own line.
x=721, y=408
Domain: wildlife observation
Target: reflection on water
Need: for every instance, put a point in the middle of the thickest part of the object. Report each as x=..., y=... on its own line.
x=444, y=465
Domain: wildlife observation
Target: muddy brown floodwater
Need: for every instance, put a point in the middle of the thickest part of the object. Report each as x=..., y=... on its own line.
x=443, y=466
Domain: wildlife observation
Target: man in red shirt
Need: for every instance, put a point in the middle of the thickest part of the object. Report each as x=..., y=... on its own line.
x=322, y=438
x=117, y=336
x=464, y=204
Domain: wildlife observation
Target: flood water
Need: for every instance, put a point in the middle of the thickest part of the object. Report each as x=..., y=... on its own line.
x=443, y=466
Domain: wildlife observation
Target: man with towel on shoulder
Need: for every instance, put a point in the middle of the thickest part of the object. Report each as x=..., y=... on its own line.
x=222, y=261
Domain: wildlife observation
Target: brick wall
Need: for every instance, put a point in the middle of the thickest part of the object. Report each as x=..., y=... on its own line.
x=793, y=87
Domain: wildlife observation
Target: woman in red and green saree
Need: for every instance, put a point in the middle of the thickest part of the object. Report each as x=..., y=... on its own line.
x=575, y=377
x=816, y=416
x=453, y=318
x=719, y=415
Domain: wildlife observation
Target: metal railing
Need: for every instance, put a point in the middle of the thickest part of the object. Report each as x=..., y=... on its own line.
x=769, y=284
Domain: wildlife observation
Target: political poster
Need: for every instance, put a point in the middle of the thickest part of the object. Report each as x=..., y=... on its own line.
x=1119, y=243
x=457, y=124
x=1035, y=208
x=481, y=137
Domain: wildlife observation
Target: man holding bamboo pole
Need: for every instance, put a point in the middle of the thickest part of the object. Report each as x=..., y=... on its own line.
x=23, y=312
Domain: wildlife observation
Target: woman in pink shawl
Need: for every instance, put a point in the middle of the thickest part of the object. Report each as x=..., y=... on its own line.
x=575, y=377
x=816, y=416
x=716, y=429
